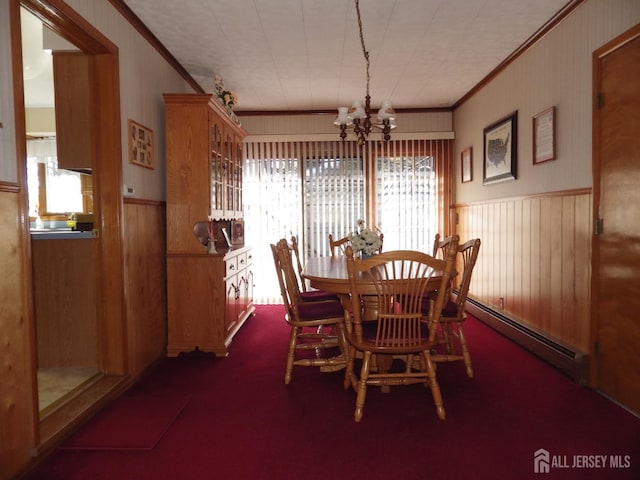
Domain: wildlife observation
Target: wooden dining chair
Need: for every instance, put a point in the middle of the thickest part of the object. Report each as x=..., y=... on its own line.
x=307, y=294
x=308, y=346
x=397, y=280
x=440, y=245
x=453, y=341
x=339, y=244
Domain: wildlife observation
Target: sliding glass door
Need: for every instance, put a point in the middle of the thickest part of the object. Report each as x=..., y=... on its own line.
x=312, y=189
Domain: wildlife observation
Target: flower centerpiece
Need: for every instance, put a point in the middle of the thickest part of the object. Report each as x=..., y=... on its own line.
x=365, y=241
x=226, y=97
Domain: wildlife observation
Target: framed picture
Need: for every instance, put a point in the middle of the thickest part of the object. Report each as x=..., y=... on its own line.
x=466, y=165
x=501, y=150
x=544, y=136
x=141, y=145
x=237, y=232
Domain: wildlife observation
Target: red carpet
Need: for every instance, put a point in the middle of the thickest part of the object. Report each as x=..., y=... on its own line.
x=129, y=423
x=243, y=422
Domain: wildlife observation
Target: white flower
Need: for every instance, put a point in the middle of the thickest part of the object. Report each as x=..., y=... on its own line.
x=365, y=240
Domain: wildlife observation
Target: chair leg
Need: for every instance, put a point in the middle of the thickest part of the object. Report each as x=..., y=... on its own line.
x=448, y=336
x=349, y=377
x=433, y=384
x=293, y=339
x=465, y=351
x=362, y=387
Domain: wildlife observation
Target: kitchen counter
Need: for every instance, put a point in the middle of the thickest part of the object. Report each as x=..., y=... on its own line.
x=59, y=234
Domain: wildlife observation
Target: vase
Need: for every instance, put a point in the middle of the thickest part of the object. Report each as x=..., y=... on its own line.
x=365, y=256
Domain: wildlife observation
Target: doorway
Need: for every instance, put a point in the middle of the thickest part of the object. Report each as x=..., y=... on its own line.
x=103, y=126
x=616, y=256
x=61, y=257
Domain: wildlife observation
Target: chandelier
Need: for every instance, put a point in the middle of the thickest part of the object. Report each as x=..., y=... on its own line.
x=359, y=117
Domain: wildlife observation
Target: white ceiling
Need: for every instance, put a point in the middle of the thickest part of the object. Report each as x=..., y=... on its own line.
x=36, y=64
x=306, y=54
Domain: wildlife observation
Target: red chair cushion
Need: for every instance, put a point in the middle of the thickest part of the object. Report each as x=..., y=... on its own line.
x=317, y=295
x=320, y=310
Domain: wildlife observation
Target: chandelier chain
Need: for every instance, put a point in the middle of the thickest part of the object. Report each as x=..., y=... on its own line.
x=359, y=117
x=364, y=48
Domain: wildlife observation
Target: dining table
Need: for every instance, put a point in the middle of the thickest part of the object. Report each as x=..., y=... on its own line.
x=330, y=274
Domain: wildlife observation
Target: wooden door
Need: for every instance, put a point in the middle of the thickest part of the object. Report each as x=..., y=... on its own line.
x=616, y=254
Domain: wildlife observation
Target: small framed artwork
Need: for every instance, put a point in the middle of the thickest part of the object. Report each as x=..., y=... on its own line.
x=141, y=145
x=544, y=136
x=500, y=150
x=237, y=232
x=466, y=165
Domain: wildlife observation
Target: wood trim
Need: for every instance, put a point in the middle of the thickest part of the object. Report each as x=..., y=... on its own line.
x=9, y=187
x=259, y=113
x=559, y=193
x=67, y=23
x=108, y=209
x=522, y=49
x=28, y=306
x=135, y=21
x=144, y=202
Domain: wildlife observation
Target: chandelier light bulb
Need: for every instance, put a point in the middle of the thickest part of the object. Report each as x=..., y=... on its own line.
x=356, y=111
x=343, y=117
x=386, y=112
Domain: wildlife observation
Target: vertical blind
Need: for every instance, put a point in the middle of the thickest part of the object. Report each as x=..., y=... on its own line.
x=406, y=194
x=312, y=189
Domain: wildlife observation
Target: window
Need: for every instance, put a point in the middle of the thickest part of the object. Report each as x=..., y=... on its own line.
x=334, y=197
x=406, y=196
x=52, y=191
x=312, y=189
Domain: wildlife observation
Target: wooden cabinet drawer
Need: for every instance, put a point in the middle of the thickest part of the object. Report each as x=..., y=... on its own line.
x=231, y=265
x=242, y=261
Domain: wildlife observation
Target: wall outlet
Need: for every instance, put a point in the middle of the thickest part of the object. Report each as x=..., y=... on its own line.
x=129, y=191
x=501, y=303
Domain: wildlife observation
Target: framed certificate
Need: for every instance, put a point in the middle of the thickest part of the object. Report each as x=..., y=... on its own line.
x=544, y=136
x=466, y=165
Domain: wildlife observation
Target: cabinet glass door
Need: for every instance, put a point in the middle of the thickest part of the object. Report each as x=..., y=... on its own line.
x=229, y=174
x=217, y=177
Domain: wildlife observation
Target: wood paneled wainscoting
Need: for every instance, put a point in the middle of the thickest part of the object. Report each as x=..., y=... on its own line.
x=532, y=278
x=18, y=412
x=146, y=280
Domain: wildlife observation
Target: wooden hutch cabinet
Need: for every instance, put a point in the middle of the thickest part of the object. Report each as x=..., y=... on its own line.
x=209, y=295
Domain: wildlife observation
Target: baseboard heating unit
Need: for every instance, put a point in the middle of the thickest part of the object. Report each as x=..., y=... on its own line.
x=573, y=363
